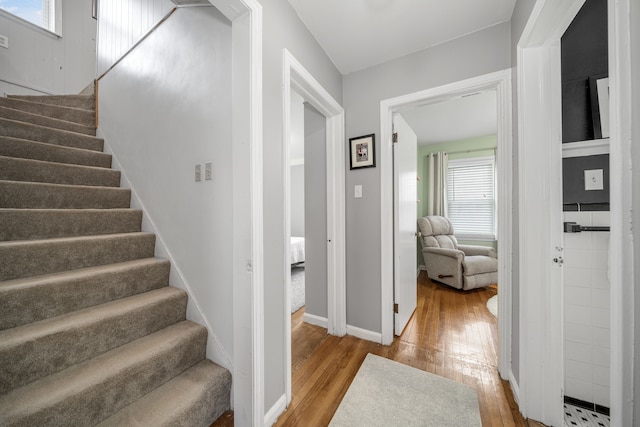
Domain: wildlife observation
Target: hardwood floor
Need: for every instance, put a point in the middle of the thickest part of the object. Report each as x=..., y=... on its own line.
x=451, y=334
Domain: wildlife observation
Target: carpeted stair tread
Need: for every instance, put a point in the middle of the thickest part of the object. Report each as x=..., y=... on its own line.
x=32, y=132
x=86, y=102
x=26, y=149
x=35, y=195
x=13, y=169
x=75, y=115
x=36, y=119
x=28, y=258
x=91, y=391
x=33, y=351
x=35, y=224
x=31, y=299
x=197, y=398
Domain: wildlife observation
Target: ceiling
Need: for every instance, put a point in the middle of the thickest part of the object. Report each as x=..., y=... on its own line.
x=462, y=118
x=357, y=34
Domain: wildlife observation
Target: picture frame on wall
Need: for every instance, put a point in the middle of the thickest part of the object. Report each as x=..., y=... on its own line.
x=362, y=151
x=599, y=95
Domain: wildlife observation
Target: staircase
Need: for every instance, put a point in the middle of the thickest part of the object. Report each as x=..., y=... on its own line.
x=90, y=331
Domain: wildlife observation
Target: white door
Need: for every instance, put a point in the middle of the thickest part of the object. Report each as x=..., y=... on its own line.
x=404, y=222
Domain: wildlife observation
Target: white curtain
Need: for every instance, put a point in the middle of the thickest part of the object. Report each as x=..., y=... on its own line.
x=438, y=165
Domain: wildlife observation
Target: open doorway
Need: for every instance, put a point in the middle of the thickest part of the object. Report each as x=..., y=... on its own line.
x=500, y=82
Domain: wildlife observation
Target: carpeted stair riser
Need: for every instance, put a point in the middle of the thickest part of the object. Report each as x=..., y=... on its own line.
x=37, y=298
x=75, y=115
x=34, y=224
x=201, y=394
x=85, y=102
x=33, y=351
x=36, y=119
x=25, y=149
x=35, y=257
x=90, y=392
x=12, y=169
x=27, y=195
x=15, y=129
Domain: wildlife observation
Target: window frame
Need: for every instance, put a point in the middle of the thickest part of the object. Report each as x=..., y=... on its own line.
x=475, y=161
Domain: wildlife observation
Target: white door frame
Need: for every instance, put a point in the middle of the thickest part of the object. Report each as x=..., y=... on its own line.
x=297, y=77
x=501, y=82
x=248, y=229
x=541, y=379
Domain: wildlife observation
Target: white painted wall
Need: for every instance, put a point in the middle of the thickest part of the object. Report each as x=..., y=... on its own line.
x=123, y=23
x=38, y=62
x=479, y=53
x=587, y=296
x=159, y=124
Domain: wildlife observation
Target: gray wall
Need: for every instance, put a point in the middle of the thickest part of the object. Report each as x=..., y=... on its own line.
x=282, y=28
x=519, y=19
x=635, y=111
x=315, y=212
x=476, y=54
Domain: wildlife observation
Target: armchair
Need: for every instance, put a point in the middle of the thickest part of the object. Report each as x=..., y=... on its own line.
x=459, y=266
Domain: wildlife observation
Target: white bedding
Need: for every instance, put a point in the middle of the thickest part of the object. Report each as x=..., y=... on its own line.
x=297, y=249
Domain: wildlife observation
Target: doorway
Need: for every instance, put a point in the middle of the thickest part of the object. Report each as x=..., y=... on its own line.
x=298, y=79
x=501, y=83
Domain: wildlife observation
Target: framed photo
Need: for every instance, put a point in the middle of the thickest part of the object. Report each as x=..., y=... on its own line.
x=362, y=151
x=599, y=91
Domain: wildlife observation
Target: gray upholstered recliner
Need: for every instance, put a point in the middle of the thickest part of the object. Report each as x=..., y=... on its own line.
x=460, y=266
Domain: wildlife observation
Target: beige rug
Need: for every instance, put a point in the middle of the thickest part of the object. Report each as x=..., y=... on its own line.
x=387, y=393
x=492, y=305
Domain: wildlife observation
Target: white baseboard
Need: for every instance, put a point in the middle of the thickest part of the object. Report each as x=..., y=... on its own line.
x=215, y=351
x=316, y=320
x=276, y=410
x=514, y=387
x=364, y=334
x=420, y=268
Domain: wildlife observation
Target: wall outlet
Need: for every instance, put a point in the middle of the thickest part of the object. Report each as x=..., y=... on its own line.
x=208, y=171
x=4, y=41
x=198, y=172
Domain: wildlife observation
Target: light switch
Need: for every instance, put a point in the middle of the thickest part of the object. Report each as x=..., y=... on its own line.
x=593, y=180
x=358, y=192
x=208, y=171
x=198, y=172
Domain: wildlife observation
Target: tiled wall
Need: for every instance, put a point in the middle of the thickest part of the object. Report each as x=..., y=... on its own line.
x=587, y=309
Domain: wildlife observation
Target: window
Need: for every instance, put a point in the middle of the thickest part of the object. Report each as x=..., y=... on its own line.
x=471, y=197
x=38, y=12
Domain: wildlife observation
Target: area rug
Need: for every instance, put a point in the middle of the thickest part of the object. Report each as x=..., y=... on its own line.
x=492, y=305
x=387, y=393
x=297, y=288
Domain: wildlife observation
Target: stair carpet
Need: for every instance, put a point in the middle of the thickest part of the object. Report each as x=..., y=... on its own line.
x=91, y=333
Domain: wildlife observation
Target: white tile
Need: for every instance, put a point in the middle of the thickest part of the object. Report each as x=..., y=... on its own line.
x=577, y=241
x=600, y=240
x=600, y=375
x=575, y=295
x=600, y=317
x=601, y=396
x=577, y=276
x=578, y=332
x=601, y=356
x=578, y=258
x=601, y=337
x=599, y=259
x=600, y=278
x=579, y=371
x=601, y=298
x=578, y=351
x=578, y=314
x=582, y=390
x=601, y=219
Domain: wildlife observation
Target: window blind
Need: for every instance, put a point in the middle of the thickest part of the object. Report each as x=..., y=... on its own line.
x=471, y=197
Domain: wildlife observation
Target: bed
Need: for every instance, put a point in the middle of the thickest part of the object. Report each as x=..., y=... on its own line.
x=297, y=250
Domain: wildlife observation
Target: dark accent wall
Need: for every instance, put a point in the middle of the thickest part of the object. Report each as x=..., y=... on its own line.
x=573, y=191
x=584, y=53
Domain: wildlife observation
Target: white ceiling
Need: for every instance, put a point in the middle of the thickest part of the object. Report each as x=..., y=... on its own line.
x=357, y=34
x=458, y=119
